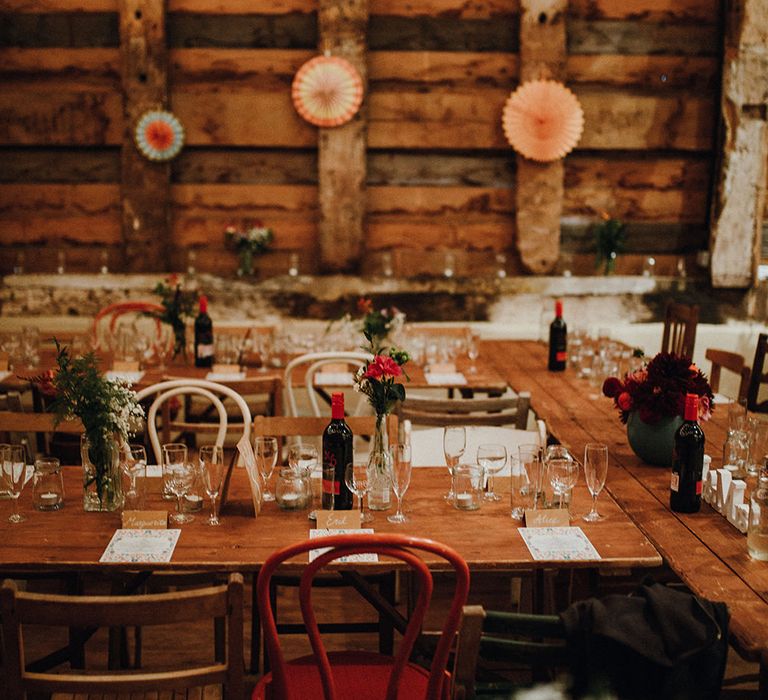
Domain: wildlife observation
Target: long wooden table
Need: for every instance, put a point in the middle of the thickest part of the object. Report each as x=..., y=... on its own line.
x=705, y=551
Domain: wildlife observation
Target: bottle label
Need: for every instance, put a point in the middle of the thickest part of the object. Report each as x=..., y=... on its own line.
x=205, y=350
x=675, y=485
x=331, y=487
x=698, y=488
x=561, y=356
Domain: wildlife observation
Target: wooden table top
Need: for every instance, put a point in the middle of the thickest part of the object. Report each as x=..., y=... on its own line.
x=487, y=539
x=706, y=551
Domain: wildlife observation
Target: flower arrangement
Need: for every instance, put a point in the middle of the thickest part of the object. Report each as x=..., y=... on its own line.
x=377, y=380
x=178, y=305
x=377, y=324
x=610, y=236
x=252, y=239
x=658, y=390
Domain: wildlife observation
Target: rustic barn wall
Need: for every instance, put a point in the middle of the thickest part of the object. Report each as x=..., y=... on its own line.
x=440, y=175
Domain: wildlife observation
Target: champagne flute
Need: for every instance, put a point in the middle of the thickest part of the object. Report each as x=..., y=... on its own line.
x=303, y=460
x=133, y=464
x=491, y=457
x=178, y=478
x=14, y=465
x=595, y=471
x=265, y=449
x=454, y=444
x=212, y=470
x=357, y=481
x=563, y=474
x=400, y=475
x=473, y=351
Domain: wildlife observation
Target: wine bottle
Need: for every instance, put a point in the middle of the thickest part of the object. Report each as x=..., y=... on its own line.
x=337, y=453
x=203, y=336
x=687, y=461
x=558, y=340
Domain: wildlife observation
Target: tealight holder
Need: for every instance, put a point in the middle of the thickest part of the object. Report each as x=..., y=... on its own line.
x=291, y=490
x=48, y=484
x=468, y=487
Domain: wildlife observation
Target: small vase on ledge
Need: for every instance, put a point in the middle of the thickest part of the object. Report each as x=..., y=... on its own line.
x=379, y=466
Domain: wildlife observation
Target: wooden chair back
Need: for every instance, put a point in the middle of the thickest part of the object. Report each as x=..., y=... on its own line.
x=733, y=362
x=262, y=394
x=218, y=602
x=536, y=641
x=503, y=410
x=680, y=324
x=759, y=377
x=399, y=547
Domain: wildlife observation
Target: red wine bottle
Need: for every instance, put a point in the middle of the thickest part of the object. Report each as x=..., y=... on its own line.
x=687, y=461
x=203, y=336
x=558, y=340
x=337, y=454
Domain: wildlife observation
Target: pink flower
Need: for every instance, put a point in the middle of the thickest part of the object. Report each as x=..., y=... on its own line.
x=624, y=401
x=705, y=409
x=382, y=368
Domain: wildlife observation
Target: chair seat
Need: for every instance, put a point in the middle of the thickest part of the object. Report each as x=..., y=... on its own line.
x=358, y=674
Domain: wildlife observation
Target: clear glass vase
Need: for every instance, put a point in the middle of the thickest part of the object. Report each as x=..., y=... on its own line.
x=102, y=480
x=379, y=466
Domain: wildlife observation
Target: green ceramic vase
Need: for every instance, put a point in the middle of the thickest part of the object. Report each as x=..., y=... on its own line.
x=653, y=443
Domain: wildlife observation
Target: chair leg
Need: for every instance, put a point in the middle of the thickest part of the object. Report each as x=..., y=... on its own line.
x=273, y=603
x=387, y=587
x=255, y=629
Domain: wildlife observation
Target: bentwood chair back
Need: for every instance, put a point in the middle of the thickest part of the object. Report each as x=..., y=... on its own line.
x=106, y=321
x=759, y=377
x=357, y=674
x=680, y=323
x=733, y=362
x=499, y=411
x=223, y=602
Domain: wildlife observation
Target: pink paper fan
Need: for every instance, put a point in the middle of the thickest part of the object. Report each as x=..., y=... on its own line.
x=327, y=91
x=543, y=120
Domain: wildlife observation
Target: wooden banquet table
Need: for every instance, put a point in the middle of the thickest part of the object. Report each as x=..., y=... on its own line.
x=704, y=549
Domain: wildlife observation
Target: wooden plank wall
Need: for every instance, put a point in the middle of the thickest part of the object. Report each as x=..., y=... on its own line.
x=440, y=174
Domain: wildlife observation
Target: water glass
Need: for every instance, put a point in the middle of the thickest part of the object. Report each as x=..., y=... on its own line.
x=48, y=484
x=522, y=488
x=757, y=430
x=492, y=457
x=454, y=444
x=531, y=463
x=468, y=482
x=400, y=474
x=133, y=463
x=178, y=478
x=563, y=474
x=14, y=470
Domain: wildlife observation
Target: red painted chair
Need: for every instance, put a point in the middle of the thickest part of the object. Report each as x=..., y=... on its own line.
x=113, y=312
x=357, y=674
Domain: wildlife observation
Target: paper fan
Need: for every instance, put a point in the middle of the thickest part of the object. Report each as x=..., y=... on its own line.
x=327, y=91
x=159, y=135
x=543, y=120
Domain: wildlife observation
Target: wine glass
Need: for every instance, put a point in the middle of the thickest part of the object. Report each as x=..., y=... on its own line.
x=178, y=478
x=454, y=444
x=173, y=453
x=265, y=449
x=357, y=481
x=400, y=475
x=595, y=471
x=134, y=464
x=212, y=470
x=563, y=474
x=491, y=457
x=303, y=460
x=473, y=352
x=14, y=466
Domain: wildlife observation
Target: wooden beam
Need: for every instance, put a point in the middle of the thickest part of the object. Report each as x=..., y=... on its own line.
x=145, y=186
x=739, y=202
x=539, y=190
x=341, y=150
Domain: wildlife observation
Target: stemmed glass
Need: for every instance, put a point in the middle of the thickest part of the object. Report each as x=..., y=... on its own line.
x=178, y=478
x=563, y=474
x=265, y=449
x=212, y=470
x=400, y=475
x=491, y=457
x=454, y=444
x=303, y=460
x=595, y=471
x=133, y=464
x=473, y=352
x=357, y=481
x=14, y=466
x=173, y=453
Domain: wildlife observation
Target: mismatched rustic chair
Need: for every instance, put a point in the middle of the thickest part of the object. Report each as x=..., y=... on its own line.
x=733, y=362
x=358, y=674
x=106, y=321
x=680, y=323
x=759, y=377
x=223, y=602
x=499, y=411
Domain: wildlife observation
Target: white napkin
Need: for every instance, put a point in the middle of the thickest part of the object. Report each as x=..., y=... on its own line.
x=333, y=379
x=225, y=376
x=445, y=378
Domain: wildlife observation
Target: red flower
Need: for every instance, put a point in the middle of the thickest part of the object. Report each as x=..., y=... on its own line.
x=624, y=401
x=364, y=306
x=382, y=367
x=612, y=387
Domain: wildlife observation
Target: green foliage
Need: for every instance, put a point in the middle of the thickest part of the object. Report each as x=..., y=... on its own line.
x=178, y=305
x=610, y=238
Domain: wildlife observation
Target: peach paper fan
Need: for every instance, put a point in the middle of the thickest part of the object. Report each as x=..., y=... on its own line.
x=543, y=120
x=327, y=91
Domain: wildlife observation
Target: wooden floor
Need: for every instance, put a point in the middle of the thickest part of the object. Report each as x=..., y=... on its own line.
x=173, y=644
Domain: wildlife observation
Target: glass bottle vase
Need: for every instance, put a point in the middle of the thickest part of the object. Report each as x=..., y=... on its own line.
x=102, y=480
x=379, y=467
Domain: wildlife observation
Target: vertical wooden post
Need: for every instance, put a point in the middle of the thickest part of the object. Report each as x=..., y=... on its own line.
x=341, y=150
x=539, y=186
x=739, y=202
x=145, y=186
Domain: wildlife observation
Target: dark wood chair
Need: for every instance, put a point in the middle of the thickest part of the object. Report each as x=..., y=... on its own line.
x=733, y=362
x=759, y=377
x=220, y=602
x=680, y=324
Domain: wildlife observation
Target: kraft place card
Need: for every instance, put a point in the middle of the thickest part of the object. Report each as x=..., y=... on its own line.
x=352, y=558
x=338, y=519
x=547, y=517
x=558, y=544
x=141, y=546
x=145, y=519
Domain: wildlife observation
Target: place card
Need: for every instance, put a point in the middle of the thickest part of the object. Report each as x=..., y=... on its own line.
x=350, y=559
x=130, y=377
x=145, y=519
x=442, y=368
x=445, y=378
x=558, y=543
x=141, y=546
x=338, y=519
x=547, y=517
x=245, y=450
x=333, y=379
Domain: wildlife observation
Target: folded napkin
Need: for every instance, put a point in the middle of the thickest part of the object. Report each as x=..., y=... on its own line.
x=130, y=377
x=445, y=378
x=225, y=376
x=333, y=379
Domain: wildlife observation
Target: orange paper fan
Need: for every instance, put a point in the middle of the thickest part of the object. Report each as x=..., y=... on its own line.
x=327, y=91
x=543, y=120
